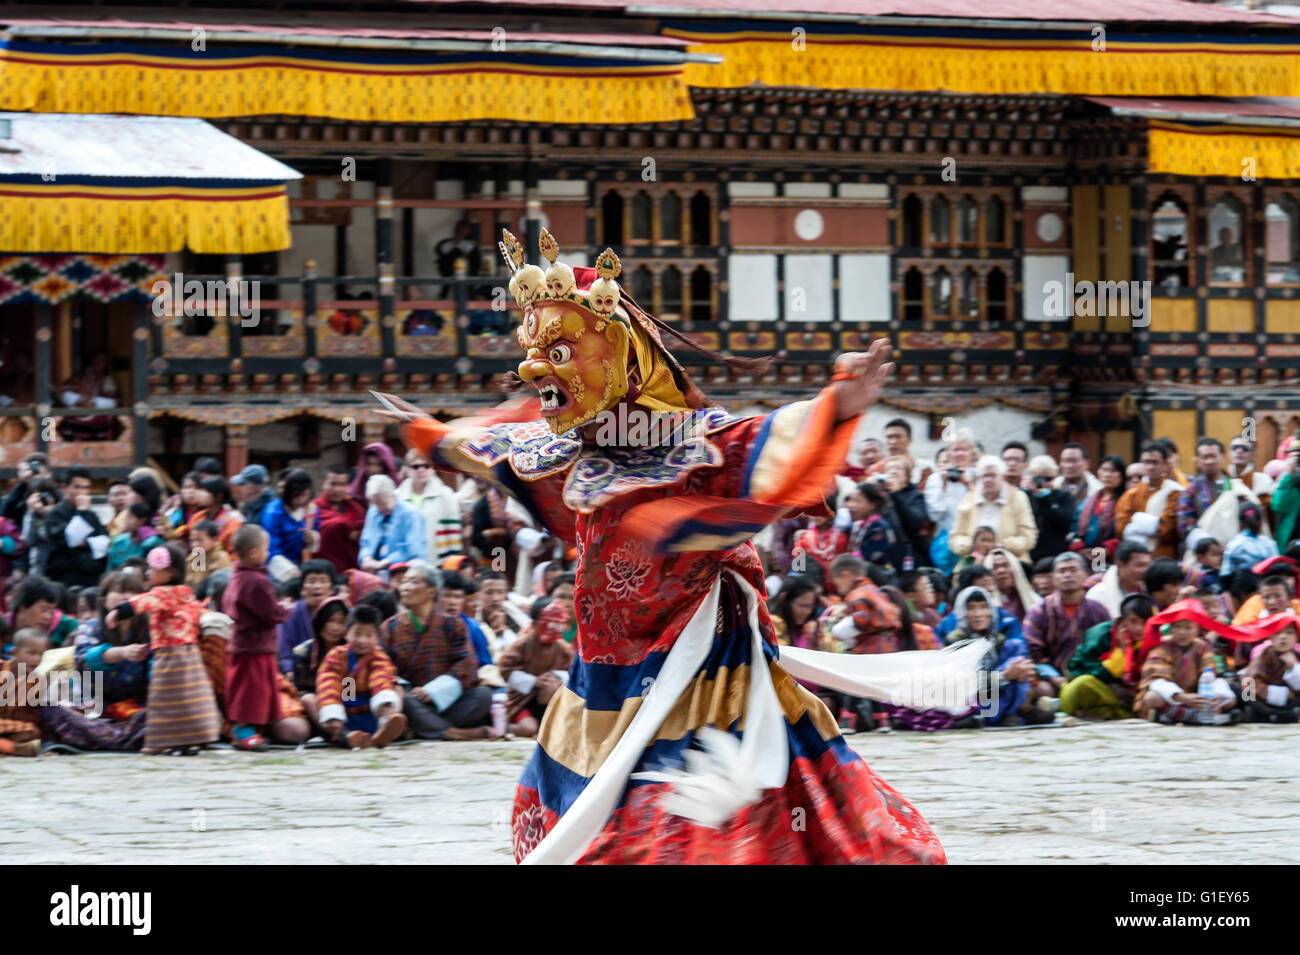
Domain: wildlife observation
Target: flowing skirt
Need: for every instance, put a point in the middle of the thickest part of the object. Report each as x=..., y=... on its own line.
x=595, y=790
x=181, y=710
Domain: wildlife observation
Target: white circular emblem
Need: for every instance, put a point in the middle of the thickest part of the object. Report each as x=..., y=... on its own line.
x=1049, y=227
x=809, y=225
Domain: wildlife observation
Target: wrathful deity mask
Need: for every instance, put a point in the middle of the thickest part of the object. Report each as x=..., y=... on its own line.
x=575, y=359
x=580, y=339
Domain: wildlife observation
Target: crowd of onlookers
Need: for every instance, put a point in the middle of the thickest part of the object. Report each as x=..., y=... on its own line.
x=1106, y=589
x=390, y=600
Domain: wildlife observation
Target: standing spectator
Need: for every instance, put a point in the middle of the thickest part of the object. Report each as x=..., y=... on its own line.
x=1204, y=489
x=1147, y=513
x=992, y=503
x=376, y=458
x=1015, y=455
x=898, y=444
x=1053, y=509
x=909, y=505
x=254, y=494
x=340, y=519
x=119, y=499
x=1094, y=524
x=287, y=521
x=33, y=468
x=1241, y=468
x=251, y=692
x=77, y=539
x=1286, y=499
x=182, y=710
x=425, y=491
x=393, y=532
x=207, y=556
x=871, y=536
x=213, y=502
x=1075, y=476
x=944, y=492
x=1055, y=628
x=435, y=659
x=43, y=498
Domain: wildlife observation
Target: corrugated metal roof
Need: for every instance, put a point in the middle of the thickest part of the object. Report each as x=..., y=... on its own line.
x=1221, y=109
x=130, y=147
x=1098, y=11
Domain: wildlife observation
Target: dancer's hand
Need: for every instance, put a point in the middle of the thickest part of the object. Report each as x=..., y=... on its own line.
x=868, y=373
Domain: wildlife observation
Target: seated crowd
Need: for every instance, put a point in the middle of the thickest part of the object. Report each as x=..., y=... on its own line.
x=395, y=602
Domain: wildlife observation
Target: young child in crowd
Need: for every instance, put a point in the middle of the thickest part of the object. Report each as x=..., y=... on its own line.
x=821, y=541
x=182, y=711
x=1169, y=689
x=252, y=691
x=1270, y=683
x=981, y=543
x=369, y=714
x=1205, y=573
x=203, y=540
x=20, y=733
x=536, y=667
x=1249, y=546
x=133, y=542
x=87, y=604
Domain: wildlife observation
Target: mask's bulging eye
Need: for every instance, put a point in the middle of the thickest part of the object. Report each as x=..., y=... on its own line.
x=559, y=354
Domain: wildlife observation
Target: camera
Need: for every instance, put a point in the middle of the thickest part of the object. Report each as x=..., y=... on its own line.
x=954, y=474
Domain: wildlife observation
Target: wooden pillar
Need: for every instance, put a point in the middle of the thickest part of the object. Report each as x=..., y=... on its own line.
x=44, y=402
x=532, y=213
x=309, y=320
x=236, y=448
x=234, y=323
x=140, y=334
x=384, y=255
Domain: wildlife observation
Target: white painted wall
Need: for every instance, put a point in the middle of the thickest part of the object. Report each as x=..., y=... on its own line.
x=808, y=277
x=864, y=288
x=1039, y=270
x=751, y=285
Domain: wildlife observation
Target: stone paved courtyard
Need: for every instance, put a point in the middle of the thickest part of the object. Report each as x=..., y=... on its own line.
x=1099, y=793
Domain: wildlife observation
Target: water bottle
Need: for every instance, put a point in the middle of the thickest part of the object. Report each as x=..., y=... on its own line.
x=499, y=713
x=1205, y=689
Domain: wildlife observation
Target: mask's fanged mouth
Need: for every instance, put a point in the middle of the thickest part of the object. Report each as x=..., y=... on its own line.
x=553, y=399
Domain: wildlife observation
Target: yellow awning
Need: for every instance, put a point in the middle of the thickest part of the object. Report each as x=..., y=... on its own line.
x=137, y=184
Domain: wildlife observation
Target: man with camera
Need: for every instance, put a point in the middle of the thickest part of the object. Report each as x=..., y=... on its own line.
x=1053, y=508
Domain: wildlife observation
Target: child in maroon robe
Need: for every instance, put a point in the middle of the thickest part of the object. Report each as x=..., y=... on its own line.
x=252, y=699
